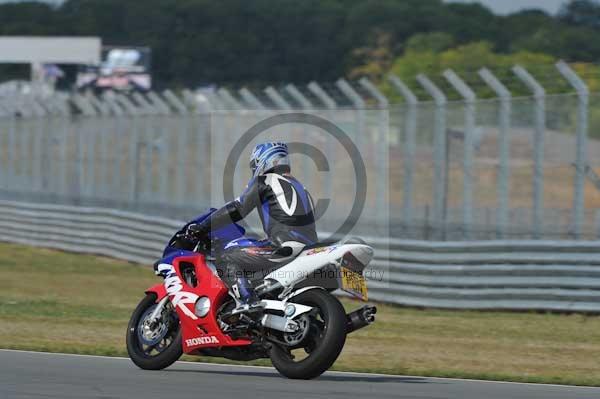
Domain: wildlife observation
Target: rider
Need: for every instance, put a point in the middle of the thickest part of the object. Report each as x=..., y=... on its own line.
x=286, y=213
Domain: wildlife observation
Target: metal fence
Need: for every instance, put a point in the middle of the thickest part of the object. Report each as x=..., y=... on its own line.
x=469, y=169
x=499, y=274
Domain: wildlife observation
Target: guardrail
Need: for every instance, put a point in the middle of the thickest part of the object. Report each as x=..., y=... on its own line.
x=515, y=275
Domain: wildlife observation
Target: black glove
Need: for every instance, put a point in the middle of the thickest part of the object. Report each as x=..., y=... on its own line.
x=197, y=231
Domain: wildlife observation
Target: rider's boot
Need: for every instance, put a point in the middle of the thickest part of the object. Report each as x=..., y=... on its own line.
x=249, y=301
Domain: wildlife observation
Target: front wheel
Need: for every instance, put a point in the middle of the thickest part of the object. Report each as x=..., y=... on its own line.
x=321, y=338
x=153, y=345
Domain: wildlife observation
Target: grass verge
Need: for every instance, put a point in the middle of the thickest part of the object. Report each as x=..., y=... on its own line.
x=61, y=302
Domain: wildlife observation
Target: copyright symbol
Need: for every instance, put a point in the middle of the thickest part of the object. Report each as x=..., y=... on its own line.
x=312, y=152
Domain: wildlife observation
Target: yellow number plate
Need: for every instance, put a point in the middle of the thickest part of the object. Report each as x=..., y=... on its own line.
x=354, y=283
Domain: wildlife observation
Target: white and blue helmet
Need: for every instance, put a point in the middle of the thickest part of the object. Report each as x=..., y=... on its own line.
x=267, y=156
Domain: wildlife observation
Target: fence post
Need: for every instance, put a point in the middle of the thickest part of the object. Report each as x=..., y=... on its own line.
x=175, y=102
x=56, y=122
x=216, y=131
x=305, y=104
x=118, y=182
x=182, y=140
x=228, y=99
x=40, y=139
x=349, y=92
x=201, y=115
x=538, y=147
x=4, y=119
x=382, y=182
x=215, y=101
x=382, y=101
x=22, y=133
x=113, y=105
x=236, y=114
x=277, y=98
x=469, y=96
x=322, y=95
x=104, y=148
x=359, y=111
x=164, y=112
x=331, y=106
x=298, y=96
x=359, y=104
x=502, y=222
x=195, y=103
x=85, y=144
x=409, y=147
x=252, y=102
x=133, y=148
x=440, y=200
x=103, y=108
x=158, y=103
x=12, y=146
x=144, y=103
x=150, y=143
x=251, y=99
x=583, y=94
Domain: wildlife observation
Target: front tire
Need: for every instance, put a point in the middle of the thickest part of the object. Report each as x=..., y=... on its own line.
x=153, y=350
x=323, y=343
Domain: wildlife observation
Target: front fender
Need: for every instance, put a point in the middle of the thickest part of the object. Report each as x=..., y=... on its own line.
x=159, y=290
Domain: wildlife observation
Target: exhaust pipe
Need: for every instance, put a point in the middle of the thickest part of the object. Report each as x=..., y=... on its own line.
x=360, y=318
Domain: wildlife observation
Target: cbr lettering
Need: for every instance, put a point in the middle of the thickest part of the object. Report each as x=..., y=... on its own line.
x=174, y=288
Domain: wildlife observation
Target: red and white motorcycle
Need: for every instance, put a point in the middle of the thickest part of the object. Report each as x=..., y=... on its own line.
x=302, y=327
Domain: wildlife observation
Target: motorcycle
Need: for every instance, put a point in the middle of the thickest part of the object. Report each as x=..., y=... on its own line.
x=301, y=326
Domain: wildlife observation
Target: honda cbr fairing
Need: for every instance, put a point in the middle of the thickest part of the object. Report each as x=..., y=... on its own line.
x=199, y=326
x=198, y=301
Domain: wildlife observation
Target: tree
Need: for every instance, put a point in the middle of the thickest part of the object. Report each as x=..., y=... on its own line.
x=376, y=60
x=522, y=25
x=581, y=13
x=471, y=22
x=432, y=41
x=237, y=42
x=572, y=43
x=466, y=60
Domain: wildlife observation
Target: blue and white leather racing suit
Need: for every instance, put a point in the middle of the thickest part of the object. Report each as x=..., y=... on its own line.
x=286, y=211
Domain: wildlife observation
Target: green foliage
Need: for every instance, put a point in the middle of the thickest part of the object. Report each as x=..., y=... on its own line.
x=572, y=44
x=466, y=60
x=581, y=13
x=432, y=41
x=255, y=42
x=376, y=60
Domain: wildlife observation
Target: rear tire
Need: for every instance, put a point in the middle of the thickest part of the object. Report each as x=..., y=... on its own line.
x=325, y=349
x=135, y=347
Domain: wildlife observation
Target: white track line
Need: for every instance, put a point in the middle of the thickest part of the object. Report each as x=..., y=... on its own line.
x=329, y=372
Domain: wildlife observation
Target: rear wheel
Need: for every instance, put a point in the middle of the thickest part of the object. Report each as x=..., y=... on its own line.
x=312, y=350
x=153, y=345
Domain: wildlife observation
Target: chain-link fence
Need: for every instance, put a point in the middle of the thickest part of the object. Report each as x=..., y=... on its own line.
x=433, y=169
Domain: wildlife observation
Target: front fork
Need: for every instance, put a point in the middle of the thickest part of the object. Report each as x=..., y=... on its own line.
x=156, y=313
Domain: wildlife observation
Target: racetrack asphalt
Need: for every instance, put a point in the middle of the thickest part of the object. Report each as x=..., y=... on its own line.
x=46, y=375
